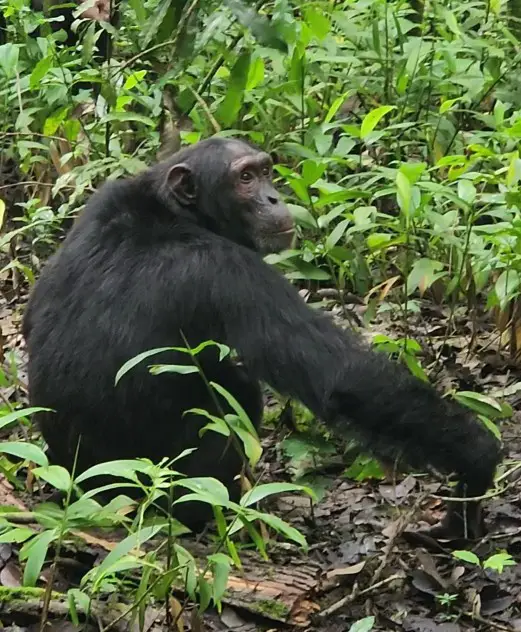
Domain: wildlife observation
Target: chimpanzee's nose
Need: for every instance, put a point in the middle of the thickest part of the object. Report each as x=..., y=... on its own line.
x=273, y=199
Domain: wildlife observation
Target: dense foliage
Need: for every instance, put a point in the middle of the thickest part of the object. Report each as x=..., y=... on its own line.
x=396, y=126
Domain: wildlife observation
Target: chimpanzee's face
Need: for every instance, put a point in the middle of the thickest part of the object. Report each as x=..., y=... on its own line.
x=270, y=223
x=230, y=185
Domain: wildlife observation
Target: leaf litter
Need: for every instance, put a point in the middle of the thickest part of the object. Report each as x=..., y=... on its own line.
x=359, y=565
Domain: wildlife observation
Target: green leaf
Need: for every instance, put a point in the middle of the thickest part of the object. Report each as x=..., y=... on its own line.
x=312, y=171
x=236, y=407
x=498, y=562
x=336, y=234
x=124, y=468
x=9, y=59
x=39, y=71
x=16, y=535
x=181, y=369
x=302, y=216
x=262, y=28
x=10, y=418
x=135, y=78
x=125, y=117
x=281, y=527
x=260, y=492
x=130, y=364
x=124, y=547
x=482, y=404
x=335, y=106
x=466, y=191
x=54, y=121
x=255, y=73
x=447, y=104
x=363, y=625
x=372, y=119
x=423, y=274
x=318, y=23
x=306, y=270
x=220, y=565
x=26, y=451
x=35, y=552
x=467, y=556
x=56, y=475
x=507, y=286
x=212, y=490
x=154, y=22
x=403, y=193
x=138, y=7
x=229, y=108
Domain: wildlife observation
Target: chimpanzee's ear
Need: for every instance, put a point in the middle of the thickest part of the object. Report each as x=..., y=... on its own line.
x=181, y=183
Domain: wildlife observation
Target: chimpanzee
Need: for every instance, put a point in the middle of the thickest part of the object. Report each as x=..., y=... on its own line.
x=173, y=255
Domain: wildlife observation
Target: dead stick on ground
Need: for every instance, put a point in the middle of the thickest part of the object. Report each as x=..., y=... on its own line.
x=349, y=598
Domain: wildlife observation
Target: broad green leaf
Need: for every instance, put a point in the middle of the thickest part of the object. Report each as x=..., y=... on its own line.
x=447, y=104
x=27, y=451
x=335, y=106
x=363, y=625
x=507, y=286
x=336, y=234
x=467, y=556
x=498, y=562
x=134, y=79
x=16, y=535
x=514, y=171
x=229, y=108
x=251, y=442
x=126, y=546
x=54, y=121
x=56, y=475
x=39, y=71
x=255, y=73
x=306, y=270
x=260, y=492
x=318, y=23
x=404, y=193
x=236, y=407
x=312, y=171
x=35, y=552
x=282, y=527
x=302, y=216
x=482, y=404
x=423, y=274
x=138, y=7
x=372, y=119
x=124, y=468
x=209, y=487
x=220, y=564
x=10, y=418
x=125, y=117
x=9, y=59
x=466, y=191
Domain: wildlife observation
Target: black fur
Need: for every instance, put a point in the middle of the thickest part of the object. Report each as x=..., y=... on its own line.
x=139, y=267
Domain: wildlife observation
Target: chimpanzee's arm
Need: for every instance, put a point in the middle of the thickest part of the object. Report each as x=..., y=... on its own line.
x=300, y=352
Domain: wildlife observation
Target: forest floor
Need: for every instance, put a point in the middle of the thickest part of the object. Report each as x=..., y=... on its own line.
x=359, y=563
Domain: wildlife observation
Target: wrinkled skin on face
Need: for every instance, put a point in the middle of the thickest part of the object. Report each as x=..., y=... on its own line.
x=235, y=195
x=271, y=221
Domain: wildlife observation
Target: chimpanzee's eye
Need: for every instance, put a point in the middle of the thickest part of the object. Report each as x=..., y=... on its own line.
x=246, y=176
x=266, y=171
